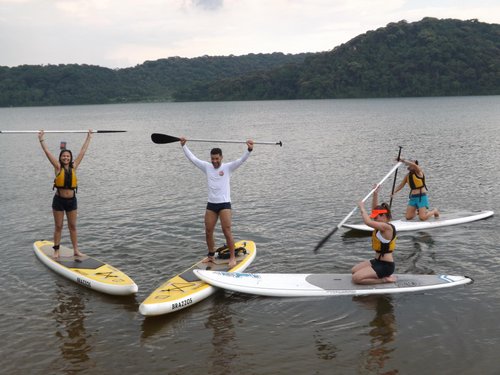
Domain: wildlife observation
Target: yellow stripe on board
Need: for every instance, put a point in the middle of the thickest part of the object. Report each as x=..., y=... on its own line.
x=178, y=287
x=103, y=272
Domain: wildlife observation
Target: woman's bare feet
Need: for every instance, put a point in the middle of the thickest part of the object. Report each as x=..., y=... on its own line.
x=390, y=279
x=56, y=251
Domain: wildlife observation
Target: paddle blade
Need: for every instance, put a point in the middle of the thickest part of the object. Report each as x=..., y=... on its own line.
x=163, y=138
x=324, y=240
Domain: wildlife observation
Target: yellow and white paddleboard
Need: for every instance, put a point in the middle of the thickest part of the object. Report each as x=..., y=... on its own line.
x=186, y=289
x=85, y=270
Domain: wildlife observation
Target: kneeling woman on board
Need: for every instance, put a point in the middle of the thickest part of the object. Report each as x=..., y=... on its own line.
x=380, y=269
x=65, y=197
x=418, y=201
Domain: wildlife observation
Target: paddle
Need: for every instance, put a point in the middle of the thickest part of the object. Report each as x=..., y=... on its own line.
x=395, y=176
x=164, y=138
x=324, y=240
x=60, y=131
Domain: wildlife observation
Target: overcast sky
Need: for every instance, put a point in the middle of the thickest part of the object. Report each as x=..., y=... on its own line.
x=124, y=33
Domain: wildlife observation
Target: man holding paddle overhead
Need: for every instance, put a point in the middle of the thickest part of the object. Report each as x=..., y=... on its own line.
x=219, y=195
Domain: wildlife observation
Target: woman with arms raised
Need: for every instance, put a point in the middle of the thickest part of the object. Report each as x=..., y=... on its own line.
x=65, y=183
x=381, y=268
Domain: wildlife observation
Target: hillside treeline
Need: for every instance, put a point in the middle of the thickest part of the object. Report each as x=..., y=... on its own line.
x=431, y=57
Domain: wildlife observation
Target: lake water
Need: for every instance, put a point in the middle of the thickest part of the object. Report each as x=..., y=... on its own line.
x=141, y=209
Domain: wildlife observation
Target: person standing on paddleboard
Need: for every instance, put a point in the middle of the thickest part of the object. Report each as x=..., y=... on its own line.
x=219, y=195
x=380, y=269
x=66, y=185
x=419, y=200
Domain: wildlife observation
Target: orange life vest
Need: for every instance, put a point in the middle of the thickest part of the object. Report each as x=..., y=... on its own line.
x=66, y=180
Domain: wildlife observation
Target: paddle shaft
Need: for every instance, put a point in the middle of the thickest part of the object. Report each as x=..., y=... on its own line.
x=231, y=141
x=324, y=240
x=165, y=138
x=395, y=168
x=59, y=131
x=395, y=177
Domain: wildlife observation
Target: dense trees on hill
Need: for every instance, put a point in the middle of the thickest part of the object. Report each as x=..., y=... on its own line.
x=427, y=58
x=152, y=81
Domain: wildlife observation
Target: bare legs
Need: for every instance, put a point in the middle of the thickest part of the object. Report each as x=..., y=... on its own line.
x=58, y=227
x=363, y=273
x=225, y=222
x=423, y=213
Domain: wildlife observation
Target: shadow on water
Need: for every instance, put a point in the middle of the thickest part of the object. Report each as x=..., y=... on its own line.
x=70, y=331
x=153, y=325
x=383, y=329
x=411, y=250
x=224, y=352
x=353, y=233
x=128, y=303
x=75, y=343
x=376, y=353
x=218, y=328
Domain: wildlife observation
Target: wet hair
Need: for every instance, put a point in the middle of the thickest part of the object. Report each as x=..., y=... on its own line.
x=384, y=206
x=416, y=162
x=70, y=159
x=216, y=151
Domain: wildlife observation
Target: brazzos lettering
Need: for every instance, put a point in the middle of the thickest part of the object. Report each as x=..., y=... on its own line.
x=84, y=282
x=181, y=304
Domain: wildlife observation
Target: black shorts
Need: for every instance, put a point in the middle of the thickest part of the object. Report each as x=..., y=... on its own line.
x=218, y=207
x=64, y=204
x=382, y=268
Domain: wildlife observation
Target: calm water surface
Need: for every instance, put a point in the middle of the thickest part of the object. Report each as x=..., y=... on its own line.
x=141, y=209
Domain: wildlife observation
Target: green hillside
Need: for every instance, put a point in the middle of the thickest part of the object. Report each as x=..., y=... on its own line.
x=427, y=58
x=30, y=85
x=431, y=57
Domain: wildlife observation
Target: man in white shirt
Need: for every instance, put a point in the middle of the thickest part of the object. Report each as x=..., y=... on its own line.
x=219, y=195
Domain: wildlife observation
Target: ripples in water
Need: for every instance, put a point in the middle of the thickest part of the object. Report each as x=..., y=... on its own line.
x=141, y=209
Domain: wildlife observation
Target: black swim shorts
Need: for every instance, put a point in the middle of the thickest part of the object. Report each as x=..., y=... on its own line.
x=217, y=207
x=64, y=204
x=382, y=268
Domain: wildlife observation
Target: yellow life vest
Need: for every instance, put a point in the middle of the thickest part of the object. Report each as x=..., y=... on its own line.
x=66, y=180
x=416, y=182
x=384, y=248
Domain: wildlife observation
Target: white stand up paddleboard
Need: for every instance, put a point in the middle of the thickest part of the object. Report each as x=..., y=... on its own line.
x=186, y=289
x=444, y=220
x=314, y=285
x=85, y=270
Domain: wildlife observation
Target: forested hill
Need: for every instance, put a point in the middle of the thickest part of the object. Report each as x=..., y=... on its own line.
x=427, y=58
x=30, y=85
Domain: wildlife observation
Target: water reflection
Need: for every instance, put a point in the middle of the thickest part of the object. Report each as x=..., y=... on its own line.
x=224, y=350
x=152, y=326
x=352, y=233
x=70, y=331
x=412, y=248
x=382, y=332
x=327, y=350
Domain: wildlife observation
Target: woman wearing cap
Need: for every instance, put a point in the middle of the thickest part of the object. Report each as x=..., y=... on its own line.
x=65, y=184
x=419, y=201
x=380, y=269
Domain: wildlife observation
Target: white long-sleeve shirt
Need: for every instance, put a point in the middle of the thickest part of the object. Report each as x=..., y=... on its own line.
x=219, y=190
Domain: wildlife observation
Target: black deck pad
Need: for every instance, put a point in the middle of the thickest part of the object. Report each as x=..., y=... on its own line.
x=85, y=263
